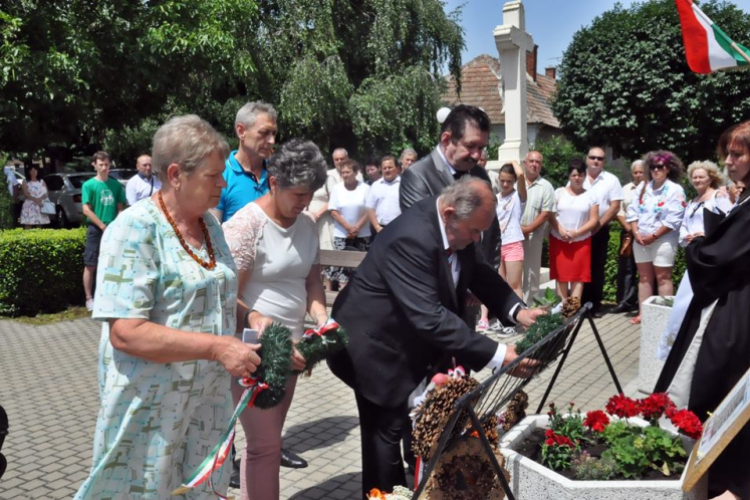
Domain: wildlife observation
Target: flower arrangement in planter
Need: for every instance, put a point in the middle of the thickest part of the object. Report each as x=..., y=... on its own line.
x=613, y=444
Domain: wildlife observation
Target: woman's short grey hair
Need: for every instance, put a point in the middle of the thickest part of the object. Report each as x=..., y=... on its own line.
x=251, y=111
x=466, y=197
x=636, y=163
x=186, y=140
x=298, y=163
x=712, y=170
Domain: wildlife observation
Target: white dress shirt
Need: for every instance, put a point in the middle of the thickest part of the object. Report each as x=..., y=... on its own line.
x=455, y=265
x=383, y=199
x=606, y=188
x=138, y=188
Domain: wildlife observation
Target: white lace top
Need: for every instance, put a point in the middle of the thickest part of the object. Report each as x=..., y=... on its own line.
x=279, y=260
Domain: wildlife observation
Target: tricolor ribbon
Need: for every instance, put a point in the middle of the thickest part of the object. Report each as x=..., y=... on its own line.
x=321, y=331
x=219, y=454
x=458, y=372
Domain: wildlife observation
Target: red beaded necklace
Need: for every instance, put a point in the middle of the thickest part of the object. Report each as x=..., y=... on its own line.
x=211, y=264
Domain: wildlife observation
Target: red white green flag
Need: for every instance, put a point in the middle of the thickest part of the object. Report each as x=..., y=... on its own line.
x=707, y=47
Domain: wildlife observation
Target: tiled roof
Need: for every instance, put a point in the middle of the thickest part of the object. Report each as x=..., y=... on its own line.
x=480, y=86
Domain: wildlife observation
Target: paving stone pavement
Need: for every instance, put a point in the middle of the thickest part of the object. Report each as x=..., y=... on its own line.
x=48, y=387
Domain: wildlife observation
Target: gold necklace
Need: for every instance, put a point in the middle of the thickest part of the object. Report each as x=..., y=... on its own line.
x=211, y=264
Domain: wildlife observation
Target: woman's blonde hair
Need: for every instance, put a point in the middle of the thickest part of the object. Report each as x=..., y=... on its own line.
x=186, y=140
x=712, y=170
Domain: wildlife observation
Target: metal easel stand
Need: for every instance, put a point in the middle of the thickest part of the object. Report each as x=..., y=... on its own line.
x=494, y=393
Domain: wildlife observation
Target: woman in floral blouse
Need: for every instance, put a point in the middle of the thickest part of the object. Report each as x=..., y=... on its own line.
x=655, y=215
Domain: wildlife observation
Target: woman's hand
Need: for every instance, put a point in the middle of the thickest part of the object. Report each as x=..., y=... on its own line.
x=647, y=240
x=257, y=321
x=353, y=231
x=238, y=358
x=690, y=237
x=298, y=361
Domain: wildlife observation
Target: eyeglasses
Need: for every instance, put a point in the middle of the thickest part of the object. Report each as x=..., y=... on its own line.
x=657, y=167
x=597, y=158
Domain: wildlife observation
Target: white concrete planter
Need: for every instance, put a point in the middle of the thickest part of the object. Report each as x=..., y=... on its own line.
x=654, y=319
x=530, y=480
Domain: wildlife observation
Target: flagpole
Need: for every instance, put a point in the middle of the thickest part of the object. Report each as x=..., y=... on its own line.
x=742, y=52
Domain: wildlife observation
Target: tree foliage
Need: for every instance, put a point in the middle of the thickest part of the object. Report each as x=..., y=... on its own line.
x=71, y=71
x=625, y=82
x=363, y=74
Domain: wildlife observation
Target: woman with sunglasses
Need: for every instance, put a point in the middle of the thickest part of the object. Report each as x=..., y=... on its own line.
x=712, y=349
x=655, y=217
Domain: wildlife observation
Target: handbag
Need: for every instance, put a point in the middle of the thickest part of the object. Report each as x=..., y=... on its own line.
x=48, y=208
x=626, y=245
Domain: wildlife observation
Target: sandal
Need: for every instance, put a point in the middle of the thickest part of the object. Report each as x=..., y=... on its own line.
x=636, y=320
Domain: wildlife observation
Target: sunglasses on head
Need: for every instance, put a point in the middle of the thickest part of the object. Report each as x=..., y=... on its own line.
x=598, y=158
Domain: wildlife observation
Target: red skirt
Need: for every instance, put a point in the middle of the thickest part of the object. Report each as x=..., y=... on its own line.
x=570, y=262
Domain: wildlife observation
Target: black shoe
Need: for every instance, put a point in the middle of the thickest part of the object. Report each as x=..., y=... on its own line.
x=622, y=308
x=292, y=461
x=234, y=479
x=598, y=314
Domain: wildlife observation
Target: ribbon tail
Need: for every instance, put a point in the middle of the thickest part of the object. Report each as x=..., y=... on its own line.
x=219, y=454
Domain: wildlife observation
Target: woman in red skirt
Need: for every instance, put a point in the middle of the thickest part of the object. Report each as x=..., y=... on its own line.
x=576, y=214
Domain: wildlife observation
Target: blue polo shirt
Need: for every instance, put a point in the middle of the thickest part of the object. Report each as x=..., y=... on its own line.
x=242, y=187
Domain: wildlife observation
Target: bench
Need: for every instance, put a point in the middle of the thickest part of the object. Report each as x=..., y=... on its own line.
x=339, y=258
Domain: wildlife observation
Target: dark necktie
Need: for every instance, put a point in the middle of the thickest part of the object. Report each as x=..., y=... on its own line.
x=459, y=174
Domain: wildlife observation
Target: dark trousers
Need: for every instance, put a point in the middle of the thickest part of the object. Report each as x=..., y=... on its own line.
x=381, y=432
x=594, y=292
x=627, y=279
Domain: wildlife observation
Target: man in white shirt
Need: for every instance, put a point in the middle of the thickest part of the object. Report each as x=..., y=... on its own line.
x=382, y=200
x=144, y=183
x=606, y=187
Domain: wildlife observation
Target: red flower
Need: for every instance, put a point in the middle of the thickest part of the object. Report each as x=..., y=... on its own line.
x=596, y=420
x=687, y=422
x=622, y=406
x=654, y=406
x=554, y=439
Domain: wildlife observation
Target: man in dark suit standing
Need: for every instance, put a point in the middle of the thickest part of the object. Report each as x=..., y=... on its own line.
x=463, y=136
x=402, y=312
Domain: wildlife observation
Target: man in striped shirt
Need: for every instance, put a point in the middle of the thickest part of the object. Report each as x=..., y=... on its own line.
x=540, y=202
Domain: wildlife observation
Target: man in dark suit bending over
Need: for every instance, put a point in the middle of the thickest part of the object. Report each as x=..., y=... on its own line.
x=403, y=313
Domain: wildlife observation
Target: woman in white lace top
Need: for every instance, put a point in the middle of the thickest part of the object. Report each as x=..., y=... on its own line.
x=276, y=250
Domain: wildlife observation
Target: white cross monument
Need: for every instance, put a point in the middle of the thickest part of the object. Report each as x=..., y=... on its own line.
x=512, y=43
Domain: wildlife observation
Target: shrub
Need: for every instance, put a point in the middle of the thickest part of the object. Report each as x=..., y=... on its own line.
x=6, y=206
x=41, y=270
x=610, y=269
x=557, y=152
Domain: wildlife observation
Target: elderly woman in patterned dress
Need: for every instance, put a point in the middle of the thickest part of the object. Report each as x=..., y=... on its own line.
x=167, y=296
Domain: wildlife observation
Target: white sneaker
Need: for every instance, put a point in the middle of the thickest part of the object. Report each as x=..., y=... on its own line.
x=90, y=304
x=495, y=326
x=508, y=331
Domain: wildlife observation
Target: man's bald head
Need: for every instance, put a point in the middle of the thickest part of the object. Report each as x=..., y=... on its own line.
x=467, y=208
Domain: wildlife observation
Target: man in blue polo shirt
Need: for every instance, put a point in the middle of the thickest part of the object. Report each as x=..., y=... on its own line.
x=245, y=172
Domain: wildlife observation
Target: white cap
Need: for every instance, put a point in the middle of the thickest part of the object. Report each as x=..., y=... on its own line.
x=442, y=114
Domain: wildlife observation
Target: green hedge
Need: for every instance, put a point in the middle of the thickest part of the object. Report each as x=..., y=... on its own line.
x=42, y=270
x=610, y=270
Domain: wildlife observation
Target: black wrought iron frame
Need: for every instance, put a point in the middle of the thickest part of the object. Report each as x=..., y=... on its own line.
x=494, y=393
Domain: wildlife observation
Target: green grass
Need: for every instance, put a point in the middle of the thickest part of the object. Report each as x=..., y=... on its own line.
x=47, y=319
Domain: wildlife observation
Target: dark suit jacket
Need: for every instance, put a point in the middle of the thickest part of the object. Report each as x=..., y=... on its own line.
x=403, y=313
x=427, y=178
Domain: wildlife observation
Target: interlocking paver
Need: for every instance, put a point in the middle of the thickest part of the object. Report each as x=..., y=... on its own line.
x=48, y=387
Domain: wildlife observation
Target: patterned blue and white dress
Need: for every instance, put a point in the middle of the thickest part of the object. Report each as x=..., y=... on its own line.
x=157, y=421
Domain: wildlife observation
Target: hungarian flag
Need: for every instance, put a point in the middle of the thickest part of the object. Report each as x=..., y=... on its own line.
x=706, y=46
